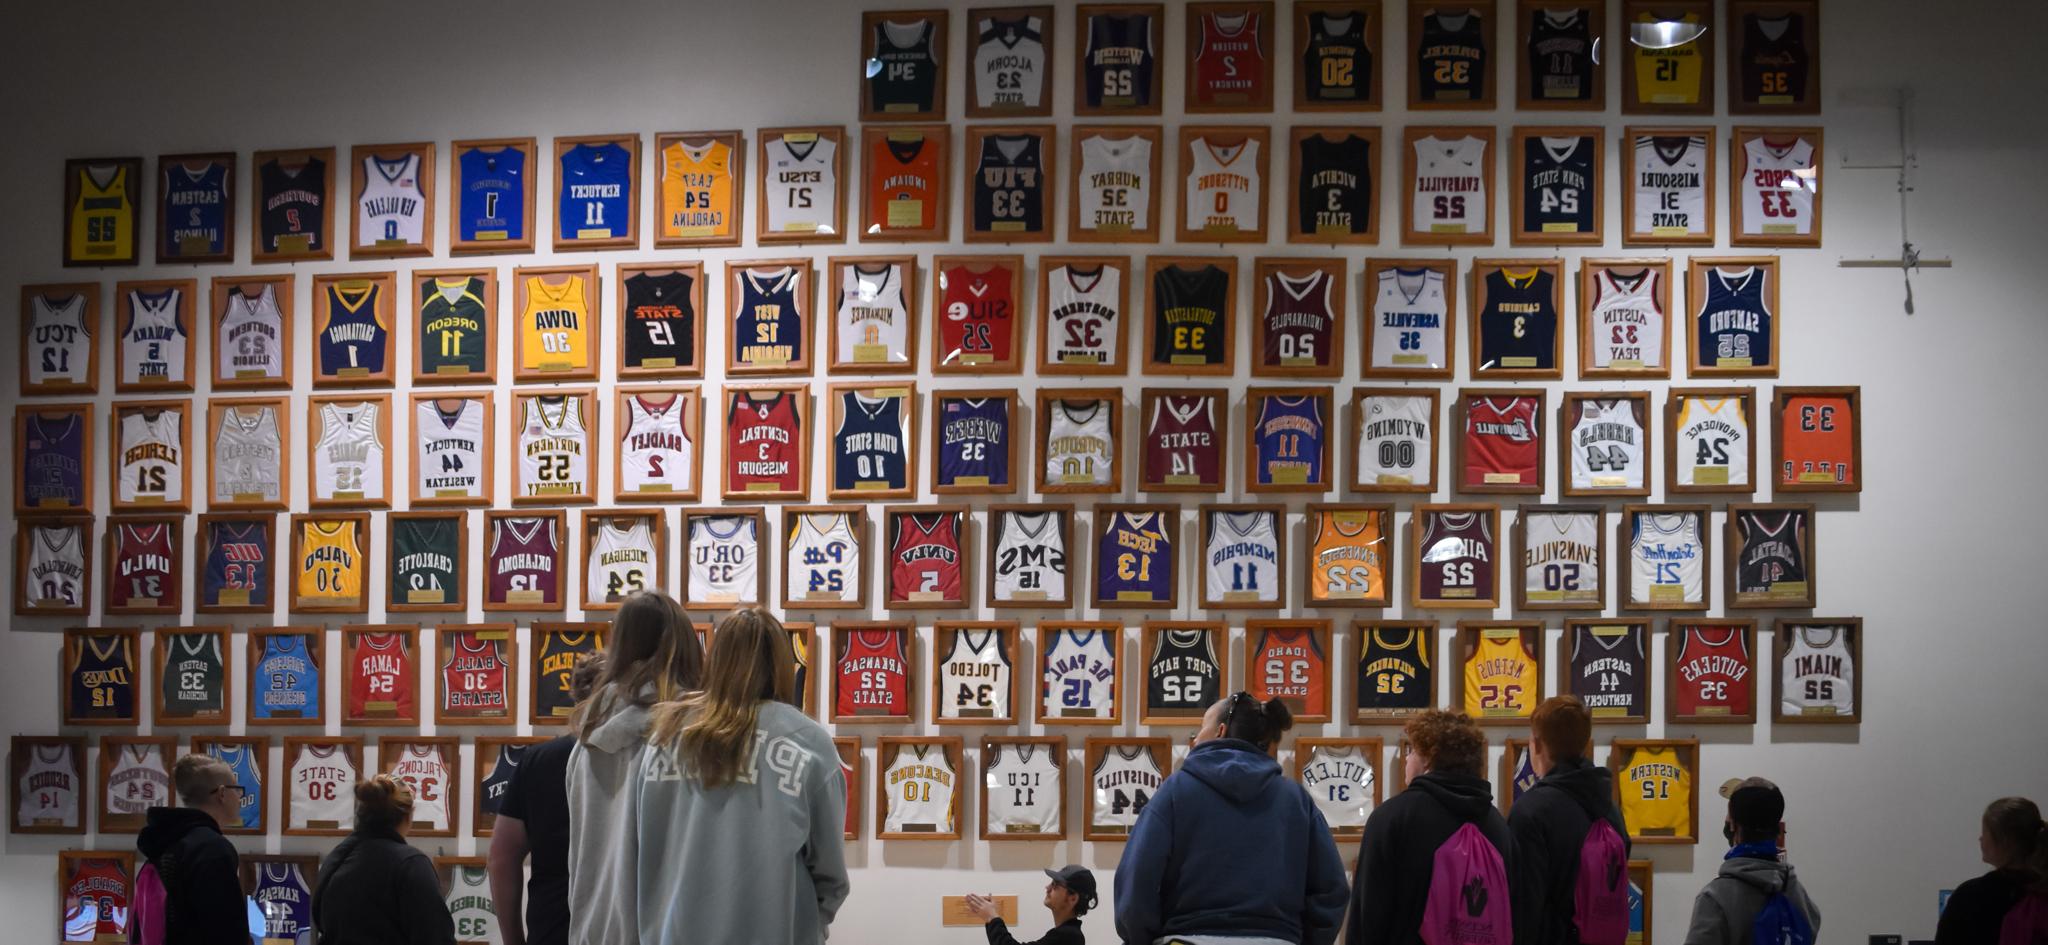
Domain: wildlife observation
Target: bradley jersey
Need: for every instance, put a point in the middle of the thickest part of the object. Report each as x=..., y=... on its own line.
x=1457, y=557
x=656, y=452
x=247, y=450
x=1115, y=184
x=195, y=201
x=492, y=204
x=1627, y=321
x=1031, y=557
x=1667, y=559
x=1183, y=673
x=1500, y=680
x=1223, y=187
x=1008, y=189
x=803, y=185
x=59, y=341
x=1348, y=556
x=251, y=336
x=1299, y=322
x=920, y=784
x=239, y=563
x=1023, y=789
x=1819, y=672
x=1124, y=781
x=554, y=447
x=1393, y=672
x=724, y=564
x=1713, y=442
x=151, y=465
x=1409, y=312
x=1083, y=310
x=1080, y=448
x=1670, y=186
x=823, y=559
x=595, y=185
x=697, y=191
x=1396, y=441
x=391, y=207
x=1289, y=665
x=348, y=457
x=1610, y=671
x=1009, y=63
x=974, y=441
x=1561, y=558
x=660, y=321
x=1242, y=560
x=974, y=678
x=1607, y=446
x=1079, y=673
x=1335, y=186
x=450, y=459
x=1134, y=561
x=153, y=343
x=1450, y=185
x=1779, y=187
x=452, y=326
x=872, y=324
x=1340, y=781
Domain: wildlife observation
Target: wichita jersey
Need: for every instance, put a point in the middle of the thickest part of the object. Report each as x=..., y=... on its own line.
x=287, y=680
x=1334, y=180
x=802, y=184
x=425, y=770
x=1080, y=447
x=353, y=339
x=1656, y=793
x=1022, y=786
x=1670, y=186
x=823, y=559
x=1770, y=560
x=974, y=441
x=424, y=556
x=1118, y=65
x=1183, y=445
x=1451, y=57
x=452, y=326
x=656, y=452
x=1818, y=672
x=251, y=335
x=1713, y=441
x=1288, y=664
x=1009, y=63
x=554, y=327
x=194, y=680
x=724, y=564
x=924, y=558
x=195, y=203
x=1396, y=440
x=380, y=678
x=1502, y=442
x=1299, y=322
x=246, y=451
x=594, y=182
x=903, y=179
x=554, y=447
x=1340, y=780
x=1123, y=782
x=240, y=558
x=1393, y=672
x=1667, y=557
x=1134, y=560
x=1031, y=557
x=698, y=194
x=1079, y=674
x=1779, y=186
x=1348, y=556
x=1557, y=185
x=1008, y=189
x=1610, y=670
x=873, y=675
x=1183, y=673
x=1287, y=440
x=1450, y=185
x=974, y=677
x=152, y=346
x=59, y=341
x=870, y=449
x=1188, y=326
x=1713, y=676
x=151, y=465
x=102, y=218
x=322, y=788
x=919, y=783
x=137, y=780
x=977, y=315
x=1083, y=312
x=1561, y=558
x=1336, y=63
x=492, y=203
x=1608, y=446
x=1229, y=67
x=291, y=206
x=348, y=457
x=764, y=443
x=872, y=323
x=53, y=461
x=1114, y=184
x=1223, y=187
x=660, y=321
x=143, y=572
x=1562, y=56
x=768, y=324
x=1408, y=316
x=1627, y=320
x=449, y=461
x=1242, y=560
x=1457, y=557
x=391, y=207
x=1518, y=327
x=1500, y=679
x=903, y=72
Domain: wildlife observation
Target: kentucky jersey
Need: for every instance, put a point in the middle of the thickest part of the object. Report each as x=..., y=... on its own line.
x=595, y=183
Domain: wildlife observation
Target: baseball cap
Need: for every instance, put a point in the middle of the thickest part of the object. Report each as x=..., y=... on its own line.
x=1078, y=879
x=1754, y=802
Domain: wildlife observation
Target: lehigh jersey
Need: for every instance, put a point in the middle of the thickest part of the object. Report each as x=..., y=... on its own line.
x=1778, y=186
x=1818, y=671
x=1561, y=558
x=1557, y=185
x=195, y=204
x=60, y=342
x=56, y=566
x=974, y=677
x=768, y=324
x=331, y=567
x=1134, y=561
x=1336, y=64
x=872, y=324
x=1183, y=673
x=920, y=783
x=1771, y=559
x=381, y=678
x=1242, y=560
x=1518, y=327
x=870, y=449
x=194, y=680
x=103, y=215
x=1009, y=185
x=1080, y=447
x=151, y=466
x=48, y=791
x=473, y=677
x=1188, y=327
x=1670, y=186
x=764, y=442
x=1223, y=187
x=1118, y=65
x=698, y=193
x=322, y=788
x=1450, y=59
x=348, y=457
x=1287, y=440
x=1115, y=184
x=137, y=780
x=1500, y=678
x=1772, y=63
x=1817, y=440
x=1656, y=793
x=1408, y=316
x=425, y=770
x=554, y=661
x=1289, y=664
x=1608, y=446
x=1230, y=68
x=1023, y=788
x=524, y=562
x=1667, y=556
x=1627, y=320
x=823, y=562
x=1349, y=555
x=903, y=72
x=595, y=185
x=353, y=339
x=555, y=326
x=1393, y=672
x=1456, y=558
x=1334, y=195
x=924, y=558
x=391, y=207
x=251, y=336
x=1031, y=557
x=657, y=453
x=974, y=441
x=291, y=206
x=1009, y=63
x=238, y=571
x=1672, y=74
x=1713, y=442
x=103, y=680
x=1183, y=445
x=450, y=449
x=1713, y=671
x=1396, y=440
x=724, y=564
x=1080, y=675
x=492, y=204
x=246, y=453
x=425, y=559
x=1299, y=322
x=554, y=447
x=1450, y=185
x=1502, y=442
x=1562, y=56
x=152, y=348
x=143, y=572
x=904, y=180
x=53, y=461
x=1610, y=670
x=1124, y=781
x=873, y=675
x=660, y=321
x=803, y=185
x=453, y=329
x=977, y=315
x=287, y=680
x=1340, y=781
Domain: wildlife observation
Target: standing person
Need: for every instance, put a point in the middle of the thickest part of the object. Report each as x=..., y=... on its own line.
x=1418, y=859
x=374, y=888
x=1753, y=878
x=1554, y=826
x=653, y=656
x=200, y=871
x=2014, y=843
x=534, y=819
x=1227, y=850
x=1068, y=897
x=741, y=804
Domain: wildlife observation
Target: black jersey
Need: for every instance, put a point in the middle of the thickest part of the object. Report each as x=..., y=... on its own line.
x=1518, y=326
x=1450, y=62
x=1336, y=65
x=1393, y=671
x=1772, y=63
x=1560, y=56
x=1610, y=670
x=1118, y=64
x=293, y=206
x=660, y=320
x=1557, y=185
x=903, y=75
x=1336, y=186
x=1773, y=552
x=1009, y=185
x=1183, y=672
x=1188, y=316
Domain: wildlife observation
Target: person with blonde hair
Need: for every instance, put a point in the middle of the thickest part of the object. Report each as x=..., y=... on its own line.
x=198, y=868
x=741, y=805
x=374, y=888
x=2013, y=840
x=653, y=656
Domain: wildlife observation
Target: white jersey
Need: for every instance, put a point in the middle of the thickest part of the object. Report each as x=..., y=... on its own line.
x=1115, y=183
x=873, y=326
x=657, y=454
x=1666, y=553
x=974, y=679
x=252, y=336
x=1223, y=187
x=1243, y=558
x=152, y=462
x=48, y=788
x=348, y=459
x=56, y=566
x=1083, y=311
x=1031, y=557
x=1713, y=442
x=1776, y=199
x=1561, y=557
x=247, y=451
x=1339, y=780
x=1078, y=447
x=1124, y=782
x=139, y=779
x=1395, y=439
x=1627, y=321
x=450, y=450
x=1670, y=186
x=1023, y=785
x=1607, y=446
x=723, y=560
x=919, y=783
x=824, y=560
x=1080, y=675
x=1009, y=63
x=1409, y=311
x=391, y=207
x=803, y=186
x=60, y=348
x=153, y=344
x=425, y=771
x=1450, y=185
x=323, y=788
x=469, y=904
x=621, y=561
x=1819, y=672
x=554, y=454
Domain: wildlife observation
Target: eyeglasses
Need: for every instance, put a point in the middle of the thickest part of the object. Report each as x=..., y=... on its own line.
x=239, y=790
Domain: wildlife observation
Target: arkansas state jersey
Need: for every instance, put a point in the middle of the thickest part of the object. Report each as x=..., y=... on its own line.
x=1183, y=445
x=1502, y=442
x=873, y=674
x=924, y=558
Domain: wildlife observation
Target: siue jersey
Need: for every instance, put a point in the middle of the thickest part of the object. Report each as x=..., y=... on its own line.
x=240, y=564
x=492, y=205
x=871, y=449
x=1031, y=557
x=974, y=441
x=1289, y=437
x=1334, y=187
x=595, y=183
x=977, y=315
x=195, y=210
x=1300, y=322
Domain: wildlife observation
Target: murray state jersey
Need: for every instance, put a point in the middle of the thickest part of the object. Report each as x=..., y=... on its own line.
x=425, y=770
x=1289, y=664
x=138, y=779
x=872, y=675
x=1230, y=69
x=764, y=442
x=1134, y=561
x=1031, y=557
x=1451, y=56
x=1223, y=187
x=473, y=677
x=903, y=72
x=1456, y=558
x=870, y=449
x=1396, y=440
x=1518, y=327
x=1818, y=671
x=1667, y=556
x=322, y=787
x=381, y=677
x=1242, y=560
x=1393, y=671
x=1502, y=442
x=1334, y=186
x=391, y=207
x=195, y=201
x=1734, y=321
x=1562, y=55
x=143, y=573
x=1713, y=441
x=803, y=184
x=872, y=324
x=1188, y=327
x=152, y=346
x=1080, y=447
x=1115, y=184
x=974, y=441
x=1287, y=440
x=1009, y=63
x=1299, y=321
x=246, y=451
x=659, y=323
x=697, y=191
x=1500, y=678
x=974, y=677
x=251, y=335
x=977, y=312
x=1079, y=671
x=1336, y=63
x=1083, y=311
x=1340, y=780
x=924, y=558
x=554, y=454
x=1023, y=789
x=920, y=781
x=1408, y=316
x=60, y=343
x=492, y=203
x=823, y=563
x=1183, y=673
x=1557, y=185
x=1607, y=446
x=1450, y=185
x=657, y=453
x=1118, y=67
x=1008, y=189
x=1610, y=670
x=595, y=184
x=1561, y=558
x=1348, y=556
x=1183, y=446
x=1670, y=186
x=1656, y=793
x=621, y=561
x=1713, y=671
x=348, y=457
x=1627, y=321
x=450, y=453
x=1123, y=782
x=724, y=564
x=1779, y=188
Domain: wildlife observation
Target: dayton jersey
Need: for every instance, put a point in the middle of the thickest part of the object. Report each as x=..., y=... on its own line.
x=1670, y=186
x=1223, y=187
x=1627, y=320
x=1561, y=558
x=1408, y=316
x=903, y=73
x=238, y=569
x=1734, y=322
x=424, y=552
x=1289, y=664
x=802, y=184
x=1713, y=441
x=102, y=680
x=1114, y=184
x=1134, y=561
x=1229, y=67
x=1450, y=185
x=1336, y=63
x=56, y=566
x=1123, y=782
x=1770, y=560
x=391, y=207
x=1610, y=670
x=1334, y=186
x=924, y=558
x=621, y=561
x=195, y=200
x=291, y=206
x=1009, y=63
x=1713, y=675
x=974, y=441
x=1607, y=446
x=1288, y=437
x=1008, y=188
x=1779, y=186
x=1183, y=673
x=1030, y=557
x=1340, y=781
x=1667, y=556
x=348, y=456
x=492, y=204
x=1079, y=674
x=823, y=563
x=59, y=341
x=153, y=343
x=452, y=326
x=449, y=461
x=660, y=321
x=1242, y=560
x=1456, y=557
x=353, y=338
x=595, y=183
x=251, y=334
x=1818, y=672
x=873, y=675
x=974, y=677
x=1393, y=672
x=1450, y=59
x=1557, y=185
x=1083, y=315
x=977, y=315
x=554, y=447
x=1518, y=327
x=1183, y=446
x=1117, y=62
x=1188, y=327
x=1022, y=785
x=53, y=461
x=1348, y=556
x=1502, y=442
x=1500, y=678
x=1396, y=440
x=870, y=449
x=1562, y=56
x=1299, y=322
x=872, y=324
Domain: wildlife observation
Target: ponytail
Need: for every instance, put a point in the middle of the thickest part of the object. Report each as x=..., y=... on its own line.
x=2019, y=836
x=383, y=803
x=1261, y=723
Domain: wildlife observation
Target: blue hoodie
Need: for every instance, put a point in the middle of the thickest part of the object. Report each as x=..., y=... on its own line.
x=1230, y=848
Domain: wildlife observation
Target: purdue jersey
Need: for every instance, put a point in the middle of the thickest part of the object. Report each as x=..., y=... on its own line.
x=1118, y=67
x=872, y=324
x=1667, y=555
x=59, y=341
x=724, y=564
x=453, y=329
x=1627, y=320
x=1183, y=445
x=424, y=559
x=974, y=677
x=1656, y=793
x=1610, y=670
x=920, y=786
x=1771, y=559
x=1348, y=556
x=1818, y=672
x=1779, y=184
x=1299, y=322
x=1078, y=674
x=1023, y=785
x=903, y=72
x=1223, y=184
x=1183, y=674
x=1393, y=672
x=391, y=207
x=1396, y=440
x=1557, y=185
x=152, y=348
x=554, y=456
x=1562, y=56
x=1456, y=558
x=1340, y=780
x=1408, y=316
x=1084, y=315
x=1607, y=446
x=1115, y=184
x=1009, y=63
x=1288, y=664
x=974, y=441
x=1561, y=558
x=1500, y=678
x=1123, y=782
x=251, y=336
x=137, y=779
x=656, y=452
x=802, y=184
x=622, y=561
x=1336, y=63
x=1188, y=327
x=1334, y=186
x=151, y=466
x=1670, y=186
x=1008, y=191
x=1450, y=185
x=1031, y=557
x=322, y=788
x=1451, y=57
x=449, y=461
x=1713, y=441
x=1242, y=560
x=823, y=563
x=1080, y=448
x=348, y=457
x=1518, y=326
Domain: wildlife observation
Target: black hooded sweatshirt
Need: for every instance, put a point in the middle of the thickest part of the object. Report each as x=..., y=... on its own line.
x=1397, y=856
x=1549, y=823
x=201, y=873
x=375, y=889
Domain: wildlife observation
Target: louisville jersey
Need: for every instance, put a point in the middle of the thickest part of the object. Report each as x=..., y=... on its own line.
x=1667, y=558
x=1336, y=64
x=903, y=71
x=286, y=684
x=1450, y=185
x=974, y=441
x=1562, y=56
x=1396, y=440
x=1010, y=62
x=492, y=204
x=291, y=209
x=194, y=677
x=1627, y=320
x=391, y=208
x=1608, y=445
x=1558, y=185
x=102, y=679
x=426, y=559
x=1733, y=325
x=698, y=193
x=1393, y=671
x=657, y=454
x=871, y=448
x=1500, y=678
x=1114, y=185
x=555, y=330
x=553, y=447
x=873, y=675
x=903, y=179
x=449, y=443
x=1118, y=65
x=823, y=562
x=1817, y=440
x=59, y=340
x=1134, y=561
x=924, y=558
x=151, y=465
x=137, y=779
x=1451, y=57
x=595, y=184
x=1349, y=556
x=1670, y=186
x=453, y=324
x=803, y=184
x=1656, y=793
x=1224, y=187
x=1561, y=558
x=53, y=461
x=322, y=788
x=1009, y=190
x=554, y=662
x=102, y=217
x=1518, y=326
x=195, y=200
x=768, y=322
x=353, y=339
x=1080, y=444
x=382, y=676
x=144, y=572
x=1289, y=437
x=975, y=680
x=1230, y=67
x=154, y=341
x=920, y=782
x=1610, y=670
x=1670, y=73
x=1773, y=65
x=1713, y=675
x=724, y=564
x=523, y=563
x=1188, y=316
x=1502, y=442
x=871, y=324
x=1289, y=664
x=1409, y=319
x=1182, y=673
x=1339, y=778
x=1079, y=674
x=1456, y=557
x=251, y=334
x=57, y=566
x=240, y=566
x=1123, y=782
x=1299, y=322
x=1241, y=559
x=764, y=443
x=1770, y=559
x=348, y=452
x=474, y=680
x=621, y=561
x=1023, y=786
x=1334, y=186
x=977, y=315
x=1818, y=672
x=1031, y=557
x=1183, y=444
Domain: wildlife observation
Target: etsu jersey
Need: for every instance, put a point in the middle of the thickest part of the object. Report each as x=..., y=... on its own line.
x=353, y=339
x=1287, y=441
x=450, y=457
x=1223, y=187
x=1008, y=189
x=1134, y=562
x=391, y=208
x=287, y=680
x=803, y=184
x=1450, y=185
x=869, y=450
x=974, y=677
x=1668, y=559
x=53, y=461
x=60, y=342
x=977, y=315
x=1518, y=327
x=1114, y=185
x=1230, y=68
x=1299, y=321
x=1408, y=316
x=1183, y=673
x=1734, y=322
x=872, y=324
x=1183, y=445
x=492, y=205
x=823, y=563
x=974, y=441
x=1080, y=673
x=1451, y=57
x=1009, y=63
x=1336, y=63
x=1397, y=440
x=1502, y=442
x=873, y=675
x=1031, y=557
x=239, y=568
x=1118, y=67
x=1457, y=557
x=251, y=335
x=1713, y=441
x=1242, y=561
x=657, y=453
x=1607, y=446
x=453, y=323
x=903, y=74
x=1670, y=186
x=1334, y=186
x=1558, y=188
x=195, y=201
x=768, y=324
x=924, y=558
x=596, y=186
x=763, y=443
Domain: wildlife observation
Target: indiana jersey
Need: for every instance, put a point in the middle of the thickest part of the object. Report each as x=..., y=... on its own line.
x=102, y=219
x=151, y=465
x=724, y=565
x=1123, y=782
x=1450, y=185
x=1670, y=186
x=1734, y=321
x=1451, y=57
x=974, y=441
x=137, y=778
x=903, y=71
x=595, y=183
x=1772, y=63
x=622, y=561
x=450, y=448
x=348, y=456
x=1518, y=325
x=59, y=341
x=391, y=207
x=803, y=184
x=1818, y=671
x=1334, y=186
x=1288, y=439
x=425, y=559
x=1561, y=558
x=1009, y=63
x=1670, y=74
x=195, y=204
x=1713, y=441
x=1023, y=786
x=1457, y=557
x=53, y=461
x=1393, y=671
x=924, y=558
x=1562, y=55
x=823, y=563
x=251, y=334
x=1608, y=446
x=768, y=323
x=904, y=181
x=1349, y=554
x=1080, y=446
x=1502, y=439
x=1118, y=67
x=381, y=677
x=1008, y=189
x=1114, y=185
x=555, y=326
x=920, y=787
x=353, y=339
x=873, y=675
x=48, y=792
x=102, y=679
x=1182, y=674
x=872, y=323
x=1408, y=315
x=1557, y=185
x=870, y=449
x=1299, y=322
x=492, y=204
x=974, y=676
x=240, y=563
x=1667, y=556
x=554, y=447
x=453, y=322
x=1627, y=320
x=764, y=443
x=1340, y=780
x=473, y=676
x=1031, y=557
x=153, y=344
x=1188, y=327
x=1336, y=63
x=1610, y=670
x=1288, y=664
x=194, y=677
x=56, y=566
x=1713, y=676
x=1134, y=560
x=1656, y=793
x=1079, y=674
x=322, y=788
x=1817, y=440
x=286, y=684
x=1396, y=440
x=697, y=191
x=554, y=661
x=1770, y=560
x=1229, y=66
x=1242, y=561
x=1500, y=678
x=291, y=209
x=144, y=572
x=1223, y=184
x=977, y=315
x=1183, y=444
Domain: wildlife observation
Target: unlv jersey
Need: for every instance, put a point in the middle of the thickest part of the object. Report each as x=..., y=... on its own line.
x=924, y=558
x=143, y=570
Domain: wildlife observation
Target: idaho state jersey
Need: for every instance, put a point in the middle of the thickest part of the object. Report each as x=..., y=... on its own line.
x=1289, y=664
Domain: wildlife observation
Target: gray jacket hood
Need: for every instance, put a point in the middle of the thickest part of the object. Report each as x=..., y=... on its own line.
x=622, y=732
x=1766, y=876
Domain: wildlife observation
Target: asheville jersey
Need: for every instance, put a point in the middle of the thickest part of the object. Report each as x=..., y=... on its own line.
x=1610, y=670
x=1396, y=440
x=1502, y=442
x=1188, y=327
x=1183, y=674
x=1457, y=557
x=1009, y=63
x=1562, y=56
x=1334, y=182
x=1031, y=557
x=1451, y=57
x=1393, y=672
x=353, y=338
x=1734, y=322
x=869, y=450
x=1083, y=312
x=1288, y=438
x=1450, y=185
x=452, y=326
x=764, y=442
x=924, y=558
x=1134, y=560
x=53, y=461
x=1079, y=671
x=595, y=182
x=903, y=73
x=195, y=201
x=1409, y=312
x=1118, y=67
x=1009, y=185
x=291, y=206
x=1223, y=187
x=1114, y=185
x=1299, y=322
x=977, y=315
x=1518, y=327
x=1557, y=185
x=768, y=325
x=823, y=563
x=1336, y=63
x=974, y=441
x=873, y=675
x=492, y=205
x=240, y=563
x=1183, y=446
x=287, y=680
x=59, y=341
x=1242, y=561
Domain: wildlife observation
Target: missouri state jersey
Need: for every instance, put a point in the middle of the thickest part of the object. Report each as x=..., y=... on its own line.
x=353, y=339
x=768, y=324
x=1457, y=557
x=251, y=334
x=873, y=675
x=974, y=676
x=1670, y=185
x=1183, y=445
x=1334, y=186
x=48, y=792
x=286, y=684
x=425, y=560
x=492, y=204
x=1713, y=441
x=381, y=677
x=1670, y=74
x=1610, y=671
x=1009, y=65
x=870, y=449
x=1451, y=57
x=152, y=344
x=1288, y=664
x=1667, y=556
x=391, y=207
x=137, y=780
x=1123, y=782
x=1241, y=562
x=96, y=895
x=555, y=331
x=1627, y=320
x=1336, y=63
x=449, y=448
x=1558, y=185
x=1561, y=558
x=1118, y=64
x=102, y=218
x=1562, y=56
x=1770, y=558
x=1713, y=671
x=554, y=447
x=1023, y=786
x=1188, y=326
x=764, y=442
x=620, y=561
x=1031, y=557
x=151, y=465
x=53, y=461
x=240, y=564
x=871, y=324
x=1818, y=671
x=453, y=326
x=473, y=677
x=1299, y=322
x=1182, y=672
x=1230, y=68
x=1396, y=440
x=920, y=786
x=803, y=184
x=1772, y=63
x=1114, y=184
x=1817, y=440
x=1349, y=554
x=1500, y=678
x=724, y=563
x=348, y=454
x=524, y=561
x=102, y=679
x=823, y=559
x=1607, y=446
x=291, y=209
x=56, y=566
x=1408, y=319
x=1288, y=439
x=322, y=787
x=1223, y=187
x=698, y=193
x=1502, y=438
x=194, y=680
x=924, y=558
x=595, y=184
x=195, y=204
x=1518, y=326
x=659, y=324
x=656, y=451
x=59, y=341
x=1340, y=780
x=974, y=441
x=1134, y=560
x=144, y=571
x=1450, y=185
x=554, y=661
x=1084, y=315
x=1393, y=671
x=1008, y=188
x=1080, y=446
x=1656, y=793
x=1079, y=674
x=903, y=180
x=977, y=315
x=903, y=70
x=425, y=770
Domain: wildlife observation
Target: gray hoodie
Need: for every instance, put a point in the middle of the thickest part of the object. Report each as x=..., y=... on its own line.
x=759, y=860
x=603, y=845
x=1725, y=911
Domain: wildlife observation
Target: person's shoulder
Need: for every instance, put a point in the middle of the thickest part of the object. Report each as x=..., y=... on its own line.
x=782, y=720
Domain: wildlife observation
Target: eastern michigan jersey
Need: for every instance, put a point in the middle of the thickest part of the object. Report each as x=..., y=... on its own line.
x=291, y=206
x=1667, y=557
x=1561, y=56
x=1656, y=793
x=1396, y=440
x=1223, y=187
x=1348, y=556
x=102, y=218
x=492, y=203
x=1340, y=780
x=1713, y=441
x=975, y=679
x=1288, y=437
x=151, y=466
x=1627, y=320
x=1771, y=560
x=59, y=341
x=697, y=191
x=919, y=784
x=1607, y=446
x=1670, y=186
x=1334, y=186
x=138, y=779
x=1457, y=557
x=1451, y=57
x=450, y=449
x=1080, y=448
x=1610, y=670
x=1561, y=558
x=622, y=561
x=1031, y=557
x=1500, y=679
x=1393, y=671
x=1733, y=327
x=595, y=184
x=1183, y=445
x=1713, y=677
x=1008, y=189
x=391, y=207
x=56, y=566
x=251, y=335
x=452, y=326
x=1518, y=326
x=903, y=71
x=1079, y=674
x=152, y=346
x=1299, y=322
x=194, y=677
x=195, y=201
x=1134, y=561
x=1118, y=67
x=1229, y=67
x=1242, y=561
x=1182, y=673
x=803, y=184
x=348, y=456
x=1009, y=63
x=1819, y=671
x=554, y=441
x=657, y=453
x=1557, y=185
x=1123, y=782
x=1408, y=316
x=1023, y=785
x=724, y=564
x=1450, y=185
x=1779, y=186
x=870, y=449
x=53, y=460
x=1336, y=63
x=823, y=563
x=322, y=788
x=974, y=441
x=1114, y=184
x=1289, y=664
x=240, y=563
x=1188, y=326
x=872, y=324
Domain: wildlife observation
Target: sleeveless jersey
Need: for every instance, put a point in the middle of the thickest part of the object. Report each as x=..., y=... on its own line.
x=1713, y=672
x=1670, y=186
x=151, y=464
x=1118, y=67
x=348, y=458
x=1134, y=561
x=138, y=780
x=1242, y=561
x=1450, y=185
x=1451, y=57
x=554, y=447
x=251, y=336
x=239, y=568
x=353, y=340
x=452, y=326
x=1557, y=185
x=1188, y=327
x=870, y=449
x=1031, y=557
x=1340, y=781
x=1772, y=63
x=1819, y=672
x=1502, y=440
x=152, y=348
x=823, y=559
x=53, y=461
x=660, y=321
x=1561, y=558
x=292, y=210
x=1336, y=64
x=1735, y=320
x=473, y=680
x=920, y=785
x=657, y=454
x=1229, y=67
x=491, y=792
x=1396, y=442
x=1299, y=321
x=1627, y=320
x=492, y=203
x=1671, y=75
x=49, y=793
x=555, y=326
x=423, y=769
x=450, y=459
x=1349, y=553
x=194, y=679
x=1287, y=441
x=1610, y=670
x=1457, y=557
x=1080, y=447
x=1713, y=442
x=1183, y=446
x=469, y=904
x=391, y=207
x=1335, y=184
x=1607, y=446
x=1183, y=673
x=974, y=441
x=873, y=325
x=287, y=680
x=768, y=326
x=246, y=764
x=977, y=315
x=1079, y=675
x=322, y=787
x=1083, y=311
x=974, y=677
x=594, y=183
x=1817, y=439
x=1771, y=560
x=1409, y=310
x=698, y=191
x=554, y=660
x=903, y=74
x=1009, y=63
x=56, y=566
x=195, y=203
x=1518, y=327
x=764, y=442
x=622, y=560
x=1394, y=674
x=96, y=896
x=1500, y=680
x=1223, y=187
x=143, y=572
x=1114, y=184
x=1525, y=776
x=103, y=680
x=1289, y=665
x=525, y=559
x=1123, y=782
x=424, y=552
x=60, y=343
x=103, y=215
x=1561, y=56
x=1656, y=791
x=1008, y=189
x=873, y=676
x=1023, y=789
x=286, y=900
x=924, y=558
x=904, y=181
x=724, y=560
x=803, y=185
x=1668, y=559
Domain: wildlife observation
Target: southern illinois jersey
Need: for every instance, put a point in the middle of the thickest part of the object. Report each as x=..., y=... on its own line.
x=492, y=203
x=724, y=565
x=1223, y=187
x=872, y=324
x=1500, y=678
x=144, y=571
x=102, y=679
x=1772, y=63
x=554, y=661
x=103, y=215
x=1518, y=326
x=823, y=563
x=450, y=457
x=1008, y=190
x=977, y=315
x=1009, y=63
x=1299, y=321
x=1610, y=670
x=1557, y=185
x=1340, y=781
x=903, y=179
x=1079, y=674
x=697, y=191
x=1771, y=560
x=48, y=792
x=1348, y=556
x=53, y=461
x=1289, y=664
x=1080, y=447
x=1818, y=671
x=1667, y=557
x=803, y=184
x=1670, y=186
x=1713, y=671
x=1713, y=441
x=452, y=326
x=96, y=896
x=1118, y=65
x=1817, y=439
x=873, y=675
x=1023, y=789
x=1450, y=185
x=1396, y=440
x=903, y=71
x=555, y=326
x=425, y=770
x=524, y=562
x=287, y=680
x=1242, y=561
x=554, y=440
x=1561, y=558
x=1123, y=781
x=1670, y=74
x=1451, y=57
x=621, y=561
x=285, y=898
x=660, y=320
x=974, y=441
x=151, y=464
x=1502, y=440
x=768, y=324
x=764, y=442
x=1456, y=557
x=424, y=556
x=1607, y=445
x=473, y=677
x=595, y=184
x=1031, y=557
x=195, y=201
x=251, y=335
x=1408, y=316
x=138, y=779
x=194, y=677
x=240, y=558
x=1229, y=67
x=391, y=207
x=1627, y=320
x=348, y=457
x=1562, y=55
x=1183, y=445
x=1114, y=184
x=153, y=344
x=322, y=787
x=1734, y=320
x=657, y=453
x=919, y=784
x=974, y=677
x=291, y=206
x=60, y=343
x=1134, y=561
x=1779, y=187
x=1336, y=63
x=353, y=339
x=870, y=449
x=381, y=677
x=56, y=566
x=1183, y=672
x=1287, y=440
x=1188, y=312
x=924, y=558
x=1393, y=671
x=1656, y=793
x=1334, y=180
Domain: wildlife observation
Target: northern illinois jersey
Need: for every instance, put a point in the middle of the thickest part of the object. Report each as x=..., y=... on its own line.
x=492, y=203
x=554, y=327
x=903, y=72
x=1008, y=190
x=1771, y=559
x=322, y=787
x=1817, y=439
x=469, y=904
x=1818, y=671
x=453, y=323
x=1656, y=793
x=725, y=563
x=1557, y=185
x=287, y=680
x=660, y=321
x=803, y=184
x=1031, y=557
x=96, y=896
x=1080, y=674
x=353, y=339
x=103, y=680
x=1500, y=679
x=425, y=556
x=1334, y=182
x=1223, y=187
x=1778, y=186
x=1502, y=442
x=1408, y=317
x=1183, y=673
x=1627, y=320
x=1009, y=63
x=1287, y=440
x=1340, y=781
x=977, y=315
x=194, y=681
x=1450, y=185
x=1242, y=560
x=195, y=203
x=49, y=793
x=924, y=558
x=1336, y=63
x=621, y=561
x=381, y=678
x=1562, y=56
x=1670, y=186
x=450, y=449
x=1134, y=561
x=240, y=558
x=286, y=900
x=1396, y=440
x=1457, y=557
x=903, y=183
x=823, y=563
x=595, y=184
x=974, y=441
x=103, y=215
x=1607, y=446
x=524, y=562
x=1670, y=74
x=251, y=335
x=143, y=572
x=1188, y=327
x=1713, y=442
x=873, y=675
x=53, y=461
x=1183, y=446
x=56, y=566
x=391, y=207
x=1349, y=554
x=764, y=441
x=657, y=453
x=870, y=449
x=473, y=677
x=1118, y=65
x=138, y=779
x=554, y=661
x=697, y=191
x=974, y=677
x=1115, y=184
x=1713, y=671
x=1518, y=326
x=920, y=784
x=291, y=206
x=872, y=324
x=1080, y=447
x=1561, y=558
x=1610, y=670
x=348, y=457
x=1451, y=58
x=1299, y=322
x=768, y=325
x=1083, y=315
x=1230, y=68
x=60, y=343
x=554, y=447
x=1289, y=665
x=1772, y=63
x=1124, y=781
x=1393, y=672
x=152, y=461
x=425, y=770
x=1023, y=789
x=152, y=348
x=1667, y=558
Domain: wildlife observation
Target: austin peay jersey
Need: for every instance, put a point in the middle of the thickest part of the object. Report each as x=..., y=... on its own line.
x=873, y=675
x=143, y=572
x=1393, y=672
x=1396, y=440
x=924, y=558
x=1819, y=672
x=1230, y=68
x=1115, y=184
x=977, y=315
x=1450, y=185
x=1242, y=561
x=53, y=461
x=1188, y=327
x=622, y=561
x=974, y=677
x=803, y=184
x=1779, y=186
x=1457, y=557
x=554, y=447
x=870, y=449
x=1023, y=789
x=660, y=321
x=1009, y=185
x=195, y=202
x=1336, y=63
x=152, y=346
x=823, y=560
x=872, y=324
x=492, y=204
x=59, y=341
x=151, y=463
x=1610, y=670
x=764, y=443
x=1561, y=558
x=524, y=562
x=1562, y=56
x=656, y=452
x=1009, y=63
x=291, y=206
x=1349, y=555
x=1334, y=186
x=391, y=207
x=381, y=677
x=1118, y=65
x=1299, y=322
x=1031, y=557
x=1408, y=317
x=1670, y=186
x=1123, y=782
x=56, y=566
x=1083, y=312
x=1558, y=185
x=1733, y=327
x=1627, y=321
x=1287, y=440
x=1135, y=558
x=974, y=441
x=1772, y=63
x=724, y=565
x=1713, y=675
x=251, y=334
x=1667, y=556
x=1608, y=446
x=1519, y=325
x=1183, y=446
x=903, y=72
x=452, y=326
x=449, y=463
x=194, y=677
x=1079, y=674
x=1288, y=664
x=1223, y=187
x=239, y=564
x=1771, y=559
x=1451, y=57
x=595, y=183
x=1502, y=442
x=1713, y=441
x=1183, y=673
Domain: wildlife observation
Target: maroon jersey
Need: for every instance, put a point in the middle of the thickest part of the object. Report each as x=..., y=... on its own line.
x=977, y=315
x=763, y=443
x=1298, y=321
x=873, y=677
x=1502, y=442
x=1713, y=672
x=924, y=558
x=1457, y=554
x=473, y=678
x=525, y=556
x=142, y=567
x=1182, y=447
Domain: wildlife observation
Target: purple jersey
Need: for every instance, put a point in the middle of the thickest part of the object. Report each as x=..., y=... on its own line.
x=53, y=462
x=974, y=441
x=524, y=558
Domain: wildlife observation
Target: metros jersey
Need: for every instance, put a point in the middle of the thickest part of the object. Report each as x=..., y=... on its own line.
x=449, y=461
x=975, y=679
x=1713, y=442
x=1667, y=556
x=59, y=341
x=1114, y=185
x=1031, y=557
x=823, y=562
x=1607, y=446
x=1501, y=680
x=1450, y=185
x=1670, y=186
x=1627, y=321
x=1084, y=315
x=1242, y=560
x=1009, y=63
x=1023, y=789
x=802, y=185
x=1223, y=187
x=1408, y=317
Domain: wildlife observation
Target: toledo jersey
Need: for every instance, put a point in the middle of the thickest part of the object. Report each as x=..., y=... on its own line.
x=96, y=901
x=391, y=208
x=287, y=683
x=1009, y=63
x=1287, y=440
x=1009, y=185
x=1713, y=671
x=872, y=325
x=621, y=562
x=1669, y=559
x=1229, y=67
x=1819, y=672
x=450, y=458
x=823, y=563
x=1031, y=557
x=1518, y=326
x=492, y=204
x=764, y=437
x=1022, y=786
x=903, y=181
x=452, y=320
x=1656, y=793
x=1772, y=63
x=595, y=183
x=1079, y=446
x=1607, y=446
x=1340, y=780
x=1450, y=61
x=137, y=781
x=1299, y=322
x=195, y=201
x=151, y=464
x=251, y=335
x=1500, y=678
x=380, y=670
x=903, y=73
x=143, y=573
x=1561, y=56
x=1348, y=556
x=873, y=675
x=1502, y=442
x=1457, y=557
x=803, y=184
x=1561, y=558
x=1124, y=781
x=473, y=677
x=153, y=344
x=656, y=453
x=1083, y=315
x=660, y=321
x=554, y=327
x=1557, y=184
x=60, y=343
x=1183, y=446
x=424, y=555
x=1335, y=186
x=977, y=312
x=920, y=786
x=524, y=562
x=1188, y=328
x=1771, y=560
x=103, y=681
x=1396, y=441
x=1117, y=64
x=53, y=461
x=1627, y=320
x=554, y=661
x=1817, y=439
x=1223, y=187
x=1393, y=672
x=924, y=558
x=322, y=787
x=1408, y=313
x=1115, y=184
x=1242, y=562
x=1289, y=664
x=869, y=449
x=1713, y=442
x=697, y=191
x=1450, y=185
x=56, y=566
x=767, y=328
x=554, y=459
x=724, y=559
x=348, y=458
x=1670, y=186
x=1134, y=561
x=1670, y=75
x=49, y=793
x=974, y=677
x=353, y=339
x=1079, y=674
x=974, y=441
x=425, y=770
x=286, y=900
x=1183, y=674
x=194, y=682
x=103, y=215
x=1336, y=64
x=1779, y=185
x=291, y=214
x=238, y=569
x=1610, y=670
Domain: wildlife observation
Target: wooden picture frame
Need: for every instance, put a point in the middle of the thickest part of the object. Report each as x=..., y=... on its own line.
x=1333, y=225
x=1742, y=171
x=1461, y=516
x=890, y=747
x=1181, y=465
x=656, y=483
x=896, y=520
x=874, y=69
x=1634, y=630
x=80, y=874
x=227, y=370
x=250, y=566
x=979, y=190
x=162, y=498
x=392, y=751
x=496, y=704
x=290, y=237
x=705, y=202
x=1517, y=362
x=53, y=471
x=1670, y=221
x=992, y=750
x=257, y=749
x=393, y=241
x=803, y=639
x=1100, y=204
x=593, y=228
x=1393, y=670
x=1197, y=158
x=1074, y=478
x=100, y=243
x=471, y=313
x=1474, y=634
x=983, y=313
x=1530, y=95
x=1037, y=551
x=1728, y=700
x=797, y=539
x=298, y=746
x=55, y=342
x=1382, y=440
x=377, y=293
x=1258, y=17
x=49, y=600
x=113, y=749
x=1006, y=687
x=1805, y=410
x=376, y=456
x=1827, y=662
x=1490, y=59
x=1018, y=87
x=1338, y=87
x=1686, y=752
x=1136, y=95
x=1370, y=751
x=691, y=597
x=490, y=231
x=556, y=648
x=1280, y=317
x=31, y=751
x=975, y=440
x=1590, y=231
x=796, y=442
x=542, y=599
x=652, y=571
x=558, y=325
x=1276, y=473
x=1305, y=685
x=396, y=678
x=1405, y=353
x=140, y=365
x=1794, y=554
x=1653, y=83
x=1625, y=564
x=170, y=658
x=850, y=765
x=1450, y=193
x=253, y=868
x=1059, y=669
x=766, y=352
x=1210, y=518
x=906, y=184
x=1214, y=637
x=1641, y=901
x=1331, y=565
x=118, y=651
x=157, y=585
x=904, y=393
x=1501, y=482
x=1161, y=339
x=1610, y=332
x=800, y=176
x=1557, y=556
x=431, y=455
x=1754, y=86
x=1094, y=750
x=559, y=491
x=488, y=795
x=905, y=642
x=1080, y=333
x=402, y=597
x=1569, y=413
x=1507, y=783
x=1711, y=441
x=1167, y=518
x=207, y=233
x=863, y=289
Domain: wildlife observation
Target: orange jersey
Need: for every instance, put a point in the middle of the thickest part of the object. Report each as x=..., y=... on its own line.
x=1349, y=556
x=1817, y=439
x=1289, y=664
x=903, y=183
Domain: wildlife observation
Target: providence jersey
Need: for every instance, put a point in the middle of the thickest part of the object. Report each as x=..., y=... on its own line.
x=1713, y=442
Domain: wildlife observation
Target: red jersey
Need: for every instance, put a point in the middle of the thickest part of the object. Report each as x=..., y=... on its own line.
x=1501, y=442
x=1182, y=446
x=1228, y=65
x=142, y=568
x=874, y=679
x=924, y=559
x=852, y=802
x=96, y=901
x=473, y=678
x=1287, y=664
x=977, y=312
x=763, y=443
x=378, y=670
x=1713, y=672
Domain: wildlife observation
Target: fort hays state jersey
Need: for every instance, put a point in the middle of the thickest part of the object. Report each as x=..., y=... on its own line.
x=1183, y=674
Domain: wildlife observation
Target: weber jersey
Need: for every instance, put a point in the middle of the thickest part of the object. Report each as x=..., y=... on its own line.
x=1118, y=67
x=473, y=682
x=1023, y=786
x=1713, y=442
x=492, y=203
x=151, y=466
x=292, y=206
x=1561, y=558
x=424, y=556
x=1183, y=673
x=657, y=453
x=1009, y=63
x=194, y=681
x=1500, y=678
x=1819, y=672
x=698, y=193
x=1009, y=185
x=1349, y=554
x=595, y=183
x=1079, y=674
x=49, y=793
x=1334, y=195
x=803, y=184
x=724, y=560
x=823, y=562
x=1451, y=58
x=768, y=324
x=1713, y=671
x=903, y=72
x=554, y=661
x=56, y=566
x=1518, y=327
x=1080, y=448
x=1562, y=56
x=974, y=677
x=353, y=339
x=1450, y=185
x=764, y=441
x=974, y=441
x=1115, y=185
x=285, y=899
x=251, y=335
x=1134, y=561
x=322, y=787
x=1230, y=68
x=1031, y=557
x=1607, y=446
x=1408, y=316
x=1673, y=74
x=1288, y=439
x=1183, y=446
x=1188, y=327
x=919, y=785
x=391, y=207
x=450, y=444
x=102, y=217
x=469, y=904
x=1393, y=672
x=195, y=200
x=1627, y=320
x=621, y=562
x=1336, y=63
x=1656, y=793
x=1299, y=323
x=1558, y=192
x=872, y=675
x=53, y=461
x=924, y=558
x=1288, y=664
x=1502, y=440
x=287, y=680
x=239, y=568
x=1772, y=63
x=523, y=564
x=452, y=326
x=152, y=346
x=348, y=457
x=1668, y=559
x=1771, y=559
x=978, y=313
x=1457, y=557
x=425, y=770
x=1397, y=440
x=555, y=326
x=142, y=573
x=1124, y=781
x=554, y=455
x=1242, y=560
x=1223, y=187
x=1610, y=670
x=1670, y=186
x=138, y=779
x=59, y=341
x=1780, y=181
x=870, y=449
x=872, y=324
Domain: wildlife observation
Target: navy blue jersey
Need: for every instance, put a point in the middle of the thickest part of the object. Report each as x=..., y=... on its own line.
x=452, y=325
x=238, y=564
x=242, y=760
x=974, y=441
x=1135, y=559
x=195, y=210
x=597, y=199
x=768, y=328
x=493, y=204
x=1118, y=64
x=286, y=683
x=53, y=462
x=293, y=206
x=1557, y=184
x=354, y=339
x=1009, y=185
x=1734, y=323
x=659, y=325
x=1518, y=326
x=103, y=680
x=903, y=74
x=1288, y=436
x=868, y=447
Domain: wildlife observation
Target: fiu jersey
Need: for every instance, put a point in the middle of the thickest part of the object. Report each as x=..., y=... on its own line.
x=554, y=447
x=1334, y=179
x=554, y=327
x=1734, y=321
x=246, y=453
x=452, y=326
x=768, y=325
x=151, y=465
x=903, y=73
x=1223, y=187
x=425, y=560
x=1118, y=65
x=1409, y=312
x=921, y=784
x=1500, y=679
x=1771, y=559
x=1667, y=556
x=764, y=442
x=1340, y=780
x=1670, y=75
x=1819, y=672
x=391, y=207
x=1289, y=664
x=1396, y=441
x=1008, y=189
x=1230, y=69
x=595, y=183
x=152, y=346
x=1115, y=185
x=870, y=449
x=823, y=563
x=195, y=203
x=803, y=184
x=240, y=559
x=1451, y=59
x=1031, y=557
x=56, y=566
x=353, y=338
x=1627, y=321
x=287, y=680
x=974, y=677
x=903, y=183
x=974, y=441
x=1393, y=672
x=1188, y=327
x=194, y=681
x=1713, y=671
x=1561, y=558
x=348, y=457
x=1562, y=56
x=1242, y=561
x=1557, y=182
x=1183, y=445
x=1299, y=321
x=1457, y=557
x=872, y=324
x=554, y=661
x=1670, y=186
x=251, y=335
x=621, y=561
x=697, y=191
x=1713, y=442
x=103, y=680
x=1123, y=782
x=1009, y=63
x=1080, y=673
x=1336, y=63
x=1610, y=670
x=1518, y=326
x=291, y=211
x=977, y=315
x=724, y=564
x=450, y=449
x=1817, y=439
x=660, y=321
x=1349, y=555
x=657, y=453
x=1287, y=441
x=1607, y=446
x=1502, y=440
x=1023, y=789
x=1134, y=562
x=143, y=573
x=872, y=675
x=492, y=204
x=59, y=341
x=1450, y=185
x=1080, y=447
x=1183, y=673
x=102, y=217
x=924, y=558
x=1656, y=793
x=53, y=461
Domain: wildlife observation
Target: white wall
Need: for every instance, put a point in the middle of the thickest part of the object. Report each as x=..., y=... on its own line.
x=1936, y=553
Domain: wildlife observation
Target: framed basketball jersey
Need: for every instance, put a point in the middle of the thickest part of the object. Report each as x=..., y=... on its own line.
x=823, y=566
x=903, y=65
x=1562, y=555
x=661, y=435
x=1190, y=315
x=49, y=787
x=925, y=552
x=1011, y=172
x=1332, y=180
x=623, y=552
x=1501, y=668
x=1672, y=73
x=1517, y=312
x=491, y=201
x=1225, y=171
x=291, y=195
x=467, y=896
x=904, y=185
x=53, y=566
x=1711, y=446
x=154, y=331
x=1607, y=666
x=1115, y=184
x=101, y=207
x=1667, y=194
x=1603, y=443
x=1515, y=775
x=354, y=318
x=1818, y=446
x=767, y=442
x=286, y=670
x=1084, y=315
x=701, y=180
x=1774, y=58
x=1624, y=318
x=1080, y=437
x=1734, y=324
x=238, y=564
x=251, y=331
x=1024, y=788
x=497, y=762
x=452, y=448
x=1557, y=199
x=874, y=315
x=800, y=185
x=1770, y=556
x=1290, y=429
x=1818, y=677
x=102, y=677
x=1029, y=556
x=1117, y=59
x=1243, y=563
x=976, y=317
x=973, y=445
x=1394, y=663
x=60, y=338
x=1186, y=668
x=455, y=336
x=1009, y=73
x=1656, y=782
x=919, y=788
x=871, y=672
x=1396, y=434
x=53, y=449
x=556, y=323
x=431, y=767
x=1500, y=441
x=1456, y=551
x=195, y=216
x=974, y=674
x=145, y=565
x=1230, y=57
x=1711, y=671
x=1342, y=777
x=553, y=446
x=319, y=794
x=850, y=763
x=96, y=890
x=1333, y=58
x=280, y=894
x=1298, y=318
x=393, y=211
x=769, y=301
x=597, y=192
x=1290, y=660
x=526, y=560
x=1669, y=565
x=1410, y=318
x=193, y=682
x=134, y=776
x=803, y=642
x=429, y=558
x=722, y=558
x=1182, y=437
x=1136, y=557
x=1349, y=560
x=1448, y=175
x=1078, y=673
x=151, y=443
x=874, y=436
x=1124, y=774
x=347, y=451
x=1454, y=56
x=477, y=669
x=1563, y=65
x=556, y=649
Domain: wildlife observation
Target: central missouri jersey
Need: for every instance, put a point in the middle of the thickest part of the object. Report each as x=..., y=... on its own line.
x=322, y=788
x=1451, y=57
x=1289, y=664
x=195, y=201
x=453, y=326
x=1713, y=441
x=974, y=441
x=1502, y=442
x=1188, y=326
x=1334, y=187
x=1009, y=65
x=1818, y=671
x=1772, y=62
x=621, y=561
x=1183, y=445
x=1673, y=74
x=449, y=462
x=1450, y=185
x=1123, y=782
x=977, y=315
x=1023, y=787
x=56, y=566
x=873, y=675
x=555, y=332
x=251, y=334
x=698, y=193
x=1230, y=67
x=425, y=560
x=425, y=770
x=53, y=461
x=1500, y=679
x=194, y=677
x=1080, y=447
x=974, y=677
x=802, y=184
x=1393, y=672
x=292, y=206
x=1713, y=671
x=381, y=677
x=1610, y=670
x=473, y=677
x=823, y=559
x=286, y=684
x=554, y=447
x=137, y=779
x=153, y=346
x=924, y=558
x=724, y=565
x=1667, y=556
x=1242, y=560
x=1336, y=63
x=1770, y=559
x=1561, y=557
x=764, y=442
x=1030, y=557
x=59, y=341
x=1118, y=64
x=96, y=896
x=348, y=456
x=1114, y=184
x=903, y=72
x=238, y=570
x=492, y=204
x=1079, y=674
x=524, y=559
x=103, y=680
x=768, y=322
x=247, y=449
x=1627, y=320
x=1656, y=793
x=48, y=793
x=1562, y=56
x=554, y=662
x=659, y=329
x=1457, y=557
x=1182, y=673
x=151, y=462
x=1134, y=561
x=1817, y=439
x=1223, y=187
x=1558, y=192
x=1670, y=186
x=391, y=207
x=1519, y=325
x=1408, y=319
x=1008, y=189
x=1288, y=438
x=656, y=451
x=870, y=449
x=1299, y=323
x=1607, y=446
x=919, y=784
x=872, y=323
x=1349, y=554
x=1340, y=780
x=595, y=185
x=1733, y=327
x=144, y=572
x=353, y=338
x=1396, y=440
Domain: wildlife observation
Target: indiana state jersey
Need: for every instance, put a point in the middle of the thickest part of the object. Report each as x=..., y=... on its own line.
x=195, y=200
x=1287, y=440
x=1031, y=557
x=595, y=186
x=1668, y=559
x=974, y=441
x=1340, y=780
x=1079, y=672
x=1408, y=316
x=1242, y=561
x=492, y=205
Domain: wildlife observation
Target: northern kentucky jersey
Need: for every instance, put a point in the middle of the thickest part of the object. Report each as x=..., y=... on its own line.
x=56, y=570
x=764, y=442
x=924, y=558
x=59, y=341
x=1340, y=780
x=1299, y=321
x=974, y=441
x=1558, y=185
x=1627, y=320
x=1713, y=441
x=873, y=675
x=1457, y=557
x=870, y=448
x=1563, y=56
x=1114, y=184
x=1396, y=440
x=1713, y=675
x=1770, y=559
x=823, y=561
x=1183, y=444
x=1817, y=440
x=1608, y=446
x=1518, y=327
x=453, y=325
x=381, y=678
x=391, y=207
x=1451, y=56
x=1500, y=679
x=1223, y=187
x=554, y=447
x=1610, y=670
x=1502, y=442
x=974, y=677
x=1009, y=63
x=1394, y=676
x=144, y=572
x=152, y=344
x=1450, y=185
x=102, y=218
x=1030, y=558
x=1334, y=186
x=1670, y=186
x=151, y=465
x=657, y=453
x=195, y=201
x=1408, y=317
x=1084, y=315
x=872, y=323
x=698, y=193
x=1080, y=672
x=595, y=187
x=450, y=449
x=53, y=461
x=903, y=180
x=1188, y=316
x=251, y=335
x=1118, y=64
x=802, y=184
x=1336, y=63
x=137, y=779
x=724, y=564
x=1288, y=664
x=1008, y=189
x=1778, y=187
x=1667, y=556
x=1230, y=68
x=1288, y=438
x=247, y=448
x=1349, y=554
x=1080, y=446
x=240, y=563
x=1241, y=562
x=291, y=206
x=1134, y=560
x=1561, y=558
x=659, y=327
x=555, y=331
x=1818, y=671
x=977, y=315
x=492, y=204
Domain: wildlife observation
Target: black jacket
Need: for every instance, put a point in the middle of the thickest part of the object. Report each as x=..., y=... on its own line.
x=1978, y=907
x=1397, y=856
x=376, y=890
x=203, y=899
x=1065, y=933
x=1549, y=824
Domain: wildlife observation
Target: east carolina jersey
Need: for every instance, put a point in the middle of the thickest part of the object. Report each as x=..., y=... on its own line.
x=1772, y=63
x=1340, y=781
x=1500, y=679
x=1229, y=67
x=493, y=200
x=1502, y=442
x=554, y=447
x=1656, y=791
x=1223, y=187
x=903, y=176
x=240, y=558
x=1457, y=556
x=1031, y=557
x=56, y=566
x=450, y=457
x=380, y=677
x=1561, y=558
x=1396, y=440
x=1336, y=63
x=924, y=558
x=554, y=327
x=919, y=784
x=152, y=464
x=353, y=339
x=1667, y=558
x=554, y=661
x=49, y=792
x=873, y=676
x=60, y=343
x=1288, y=664
x=1817, y=439
x=103, y=215
x=195, y=201
x=1610, y=670
x=1627, y=320
x=977, y=314
x=1713, y=671
x=1124, y=781
x=1713, y=442
x=595, y=183
x=1188, y=325
x=143, y=572
x=322, y=787
x=53, y=461
x=768, y=325
x=764, y=441
x=525, y=559
x=1023, y=789
x=1408, y=314
x=1079, y=671
x=1298, y=321
x=1117, y=62
x=292, y=206
x=1348, y=556
x=152, y=348
x=1183, y=446
x=803, y=184
x=660, y=320
x=423, y=769
x=1450, y=185
x=1080, y=447
x=1607, y=446
x=194, y=680
x=251, y=335
x=873, y=325
x=724, y=560
x=823, y=562
x=870, y=449
x=348, y=457
x=96, y=894
x=1008, y=189
x=391, y=206
x=1562, y=54
x=1778, y=186
x=1819, y=671
x=1242, y=560
x=473, y=677
x=138, y=779
x=1335, y=186
x=1670, y=186
x=1518, y=327
x=621, y=561
x=1394, y=673
x=1009, y=63
x=286, y=901
x=424, y=556
x=1183, y=673
x=1771, y=560
x=1287, y=440
x=1115, y=184
x=103, y=679
x=657, y=452
x=697, y=191
x=974, y=677
x=1670, y=75
x=1451, y=58
x=452, y=326
x=1557, y=182
x=974, y=441
x=903, y=72
x=287, y=681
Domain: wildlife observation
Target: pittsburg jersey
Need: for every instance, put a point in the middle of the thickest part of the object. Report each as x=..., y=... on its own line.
x=1500, y=678
x=1457, y=557
x=903, y=183
x=1031, y=557
x=768, y=323
x=697, y=191
x=53, y=461
x=903, y=71
x=553, y=662
x=1183, y=446
x=764, y=441
x=1656, y=793
x=1299, y=321
x=331, y=564
x=1408, y=315
x=1340, y=780
x=1242, y=559
x=59, y=341
x=1713, y=671
x=1393, y=671
x=1772, y=63
x=1009, y=185
x=1080, y=674
x=1023, y=789
x=803, y=184
x=1334, y=186
x=1778, y=186
x=1229, y=67
x=660, y=320
x=1518, y=326
x=1557, y=185
x=1222, y=184
x=1118, y=68
x=1124, y=781
x=1818, y=672
x=194, y=677
x=1561, y=56
x=1561, y=558
x=872, y=323
x=195, y=199
x=595, y=182
x=1817, y=439
x=974, y=677
x=1607, y=445
x=103, y=215
x=492, y=203
x=391, y=207
x=1667, y=559
x=1134, y=561
x=977, y=314
x=1610, y=670
x=1182, y=674
x=144, y=572
x=452, y=326
x=1450, y=58
x=1771, y=561
x=870, y=450
x=1670, y=186
x=1713, y=441
x=823, y=562
x=1396, y=441
x=1287, y=440
x=1115, y=184
x=103, y=680
x=1670, y=75
x=291, y=206
x=1289, y=664
x=924, y=558
x=1348, y=556
x=974, y=441
x=554, y=327
x=1502, y=441
x=872, y=675
x=1188, y=326
x=239, y=567
x=1009, y=63
x=1450, y=185
x=1336, y=64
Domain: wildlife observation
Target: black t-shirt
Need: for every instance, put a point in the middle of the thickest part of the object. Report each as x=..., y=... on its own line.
x=1977, y=908
x=539, y=798
x=1065, y=933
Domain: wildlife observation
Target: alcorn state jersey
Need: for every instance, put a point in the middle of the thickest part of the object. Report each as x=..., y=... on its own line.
x=1557, y=185
x=1084, y=315
x=1009, y=63
x=1334, y=186
x=1450, y=185
x=1670, y=186
x=1608, y=446
x=1031, y=556
x=974, y=441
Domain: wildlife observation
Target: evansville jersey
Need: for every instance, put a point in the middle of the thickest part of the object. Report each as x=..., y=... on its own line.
x=1299, y=323
x=870, y=449
x=1409, y=313
x=1031, y=557
x=1456, y=557
x=1561, y=557
x=1818, y=671
x=1183, y=675
x=595, y=183
x=1008, y=191
x=453, y=326
x=1627, y=321
x=1518, y=327
x=1288, y=664
x=1817, y=439
x=1288, y=438
x=1183, y=445
x=555, y=333
x=1080, y=673
x=195, y=210
x=974, y=441
x=1084, y=315
x=291, y=206
x=802, y=184
x=381, y=677
x=353, y=339
x=492, y=204
x=1188, y=316
x=698, y=194
x=251, y=335
x=823, y=562
x=924, y=558
x=1135, y=559
x=660, y=321
x=873, y=675
x=1667, y=556
x=240, y=559
x=1558, y=185
x=1656, y=793
x=1023, y=787
x=1340, y=780
x=554, y=447
x=1349, y=555
x=1336, y=63
x=1713, y=441
x=59, y=341
x=1393, y=672
x=1334, y=186
x=1118, y=67
x=1670, y=185
x=1500, y=677
x=391, y=207
x=1229, y=65
x=53, y=461
x=764, y=443
x=1607, y=446
x=974, y=676
x=449, y=462
x=1502, y=442
x=1396, y=440
x=872, y=323
x=1242, y=561
x=1451, y=57
x=1114, y=185
x=1080, y=446
x=1713, y=677
x=1450, y=185
x=977, y=315
x=1223, y=193
x=1610, y=670
x=1009, y=63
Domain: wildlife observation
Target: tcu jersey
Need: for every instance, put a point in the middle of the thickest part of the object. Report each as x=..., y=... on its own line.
x=322, y=787
x=872, y=675
x=1817, y=439
x=152, y=348
x=1734, y=321
x=554, y=660
x=381, y=677
x=1396, y=442
x=1713, y=441
x=1242, y=560
x=56, y=566
x=924, y=558
x=143, y=573
x=524, y=563
x=469, y=904
x=1518, y=327
x=1009, y=186
x=1080, y=448
x=1223, y=187
x=974, y=441
x=1500, y=678
x=1134, y=561
x=1450, y=59
x=1336, y=63
x=1083, y=310
x=974, y=677
x=353, y=338
x=1348, y=556
x=903, y=183
x=331, y=566
x=1079, y=673
x=238, y=569
x=1561, y=558
x=452, y=320
x=768, y=325
x=1123, y=782
x=764, y=441
x=1668, y=559
x=1713, y=671
x=1450, y=185
x=1819, y=671
x=823, y=563
x=872, y=325
x=1771, y=559
x=1299, y=322
x=1183, y=673
x=977, y=312
x=102, y=680
x=1670, y=74
x=194, y=681
x=656, y=451
x=1656, y=793
x=554, y=459
x=1502, y=442
x=870, y=449
x=903, y=73
x=1023, y=789
x=803, y=184
x=1031, y=557
x=138, y=779
x=1188, y=328
x=425, y=770
x=49, y=793
x=286, y=901
x=1335, y=186
x=450, y=457
x=1115, y=184
x=1627, y=321
x=1230, y=69
x=251, y=335
x=1340, y=780
x=1780, y=181
x=1457, y=556
x=1557, y=184
x=1610, y=670
x=1287, y=440
x=53, y=461
x=473, y=677
x=391, y=207
x=291, y=209
x=1561, y=56
x=492, y=204
x=595, y=184
x=1289, y=664
x=1183, y=446
x=621, y=561
x=1670, y=186
x=919, y=785
x=59, y=342
x=1118, y=67
x=151, y=465
x=96, y=894
x=423, y=564
x=725, y=562
x=1772, y=63
x=195, y=202
x=697, y=191
x=1408, y=314
x=1009, y=63
x=348, y=457
x=1394, y=673
x=554, y=326
x=1607, y=446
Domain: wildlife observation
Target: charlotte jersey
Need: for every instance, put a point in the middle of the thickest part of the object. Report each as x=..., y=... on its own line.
x=1450, y=186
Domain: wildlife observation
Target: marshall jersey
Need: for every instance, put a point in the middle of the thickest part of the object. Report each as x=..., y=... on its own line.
x=143, y=573
x=1340, y=780
x=554, y=661
x=391, y=207
x=102, y=680
x=151, y=466
x=195, y=202
x=1183, y=446
x=1610, y=670
x=1409, y=312
x=977, y=315
x=492, y=203
x=764, y=442
x=1670, y=186
x=1608, y=446
x=1080, y=447
x=1288, y=439
x=1084, y=322
x=725, y=564
x=322, y=788
x=1817, y=440
x=1772, y=62
x=1779, y=184
x=595, y=184
x=1667, y=555
x=1396, y=440
x=1223, y=187
x=1030, y=557
x=1135, y=559
x=974, y=677
x=56, y=566
x=53, y=461
x=872, y=324
x=1242, y=561
x=823, y=563
x=1188, y=327
x=152, y=346
x=425, y=556
x=1393, y=672
x=1671, y=74
x=1818, y=672
x=1334, y=186
x=903, y=73
x=348, y=456
x=1118, y=65
x=137, y=780
x=524, y=562
x=381, y=678
x=974, y=441
x=473, y=678
x=870, y=449
x=1713, y=441
x=1022, y=786
x=59, y=341
x=1336, y=63
x=1502, y=442
x=1289, y=664
x=194, y=680
x=1771, y=559
x=803, y=184
x=873, y=675
x=1734, y=321
x=1518, y=326
x=919, y=784
x=924, y=558
x=903, y=178
x=1080, y=674
x=452, y=326
x=1450, y=185
x=1230, y=68
x=240, y=563
x=554, y=327
x=287, y=680
x=1656, y=793
x=48, y=792
x=1123, y=782
x=656, y=452
x=1451, y=58
x=425, y=770
x=1115, y=184
x=251, y=334
x=1713, y=671
x=1457, y=557
x=1009, y=63
x=1009, y=185
x=291, y=206
x=1299, y=323
x=1627, y=320
x=1557, y=185
x=554, y=447
x=1349, y=554
x=450, y=444
x=1500, y=679
x=353, y=338
x=697, y=191
x=768, y=324
x=1183, y=674
x=1561, y=558
x=1563, y=56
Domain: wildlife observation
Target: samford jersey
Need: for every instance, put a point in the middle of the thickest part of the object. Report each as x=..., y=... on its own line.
x=1114, y=184
x=287, y=680
x=348, y=456
x=143, y=572
x=724, y=565
x=1023, y=789
x=1627, y=320
x=764, y=441
x=903, y=183
x=1713, y=671
x=555, y=326
x=1667, y=558
x=151, y=466
x=1079, y=674
x=1242, y=561
x=870, y=449
x=1336, y=63
x=391, y=207
x=1778, y=186
x=103, y=680
x=974, y=441
x=137, y=780
x=977, y=315
x=1334, y=195
x=473, y=680
x=322, y=787
x=1670, y=74
x=1009, y=63
x=823, y=563
x=974, y=677
x=1183, y=445
x=286, y=900
x=1408, y=316
x=492, y=205
x=697, y=191
x=1349, y=554
x=621, y=561
x=903, y=72
x=1610, y=670
x=56, y=566
x=103, y=215
x=240, y=563
x=1656, y=793
x=1084, y=315
x=1457, y=557
x=251, y=335
x=425, y=770
x=194, y=680
x=595, y=183
x=1772, y=63
x=353, y=338
x=1031, y=557
x=1557, y=185
x=53, y=461
x=424, y=560
x=453, y=323
x=1118, y=67
x=1500, y=679
x=924, y=558
x=1451, y=58
x=1223, y=187
x=59, y=341
x=1134, y=561
x=1518, y=327
x=1008, y=190
x=1819, y=671
x=1290, y=665
x=1080, y=447
x=1230, y=69
x=1771, y=559
x=1393, y=671
x=1188, y=327
x=1607, y=446
x=657, y=453
x=1396, y=440
x=1340, y=781
x=152, y=348
x=554, y=662
x=768, y=324
x=1502, y=442
x=524, y=562
x=195, y=201
x=1562, y=56
x=381, y=677
x=872, y=323
x=1123, y=782
x=1817, y=440
x=1450, y=185
x=803, y=184
x=920, y=785
x=873, y=675
x=1299, y=321
x=450, y=444
x=1182, y=673
x=1713, y=442
x=1287, y=440
x=554, y=447
x=1670, y=186
x=1561, y=558
x=96, y=896
x=48, y=792
x=291, y=208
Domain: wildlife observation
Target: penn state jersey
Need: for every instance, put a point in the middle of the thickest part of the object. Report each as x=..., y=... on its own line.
x=1557, y=185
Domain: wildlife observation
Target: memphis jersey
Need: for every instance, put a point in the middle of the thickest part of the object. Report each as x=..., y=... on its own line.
x=1656, y=793
x=1667, y=556
x=1009, y=63
x=1079, y=673
x=1670, y=186
x=1340, y=780
x=596, y=183
x=1627, y=322
x=974, y=441
x=1818, y=672
x=802, y=184
x=1031, y=557
x=492, y=205
x=1348, y=555
x=697, y=191
x=1289, y=664
x=1500, y=678
x=1242, y=560
x=195, y=200
x=823, y=563
x=102, y=220
x=1713, y=441
x=1450, y=186
x=60, y=342
x=1408, y=320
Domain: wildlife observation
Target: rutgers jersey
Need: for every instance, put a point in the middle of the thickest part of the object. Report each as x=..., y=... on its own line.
x=1223, y=187
x=1457, y=557
x=764, y=443
x=1608, y=445
x=380, y=677
x=1627, y=321
x=1183, y=446
x=873, y=675
x=1713, y=675
x=1084, y=315
x=1289, y=664
x=1031, y=557
x=1450, y=186
x=977, y=315
x=1299, y=322
x=1502, y=442
x=473, y=681
x=924, y=558
x=1230, y=68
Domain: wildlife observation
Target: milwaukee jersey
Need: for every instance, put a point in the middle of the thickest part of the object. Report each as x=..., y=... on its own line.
x=872, y=323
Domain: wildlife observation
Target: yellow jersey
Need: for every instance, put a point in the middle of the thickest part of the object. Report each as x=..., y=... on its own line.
x=330, y=563
x=103, y=216
x=1500, y=679
x=554, y=328
x=697, y=191
x=1656, y=794
x=1669, y=76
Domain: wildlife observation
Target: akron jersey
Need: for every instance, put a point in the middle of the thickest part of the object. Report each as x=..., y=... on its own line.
x=1118, y=64
x=1022, y=786
x=1561, y=558
x=452, y=326
x=1713, y=441
x=1457, y=557
x=1667, y=556
x=1123, y=782
x=1656, y=793
x=1030, y=558
x=872, y=324
x=348, y=457
x=1500, y=679
x=697, y=191
x=1340, y=780
x=595, y=185
x=1009, y=63
x=1627, y=321
x=151, y=465
x=449, y=461
x=1408, y=317
x=802, y=184
x=656, y=452
x=1288, y=664
x=1183, y=673
x=919, y=784
x=246, y=451
x=59, y=341
x=473, y=681
x=974, y=677
x=974, y=441
x=1670, y=186
x=1080, y=447
x=1299, y=322
x=554, y=447
x=195, y=200
x=251, y=334
x=622, y=561
x=1610, y=670
x=1397, y=440
x=1818, y=671
x=724, y=565
x=1393, y=672
x=1079, y=674
x=1242, y=560
x=152, y=346
x=1607, y=446
x=823, y=563
x=492, y=204
x=1223, y=184
x=1334, y=186
x=391, y=207
x=1558, y=185
x=1779, y=186
x=1114, y=185
x=1348, y=556
x=1450, y=185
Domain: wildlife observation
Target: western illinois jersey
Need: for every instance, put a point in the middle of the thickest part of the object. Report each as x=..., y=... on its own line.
x=1627, y=320
x=60, y=342
x=1334, y=186
x=473, y=682
x=239, y=562
x=251, y=335
x=660, y=320
x=903, y=183
x=1134, y=561
x=1115, y=184
x=1670, y=186
x=286, y=684
x=1336, y=63
x=657, y=453
x=1502, y=440
x=103, y=215
x=53, y=461
x=1457, y=556
x=1668, y=555
x=1610, y=670
x=924, y=558
x=1118, y=65
x=1183, y=674
x=1771, y=559
x=425, y=770
x=1557, y=185
x=1819, y=671
x=554, y=447
x=450, y=444
x=1079, y=670
x=1817, y=440
x=1023, y=786
x=49, y=791
x=697, y=191
x=903, y=70
x=195, y=210
x=1080, y=447
x=595, y=183
x=1299, y=321
x=870, y=449
x=768, y=325
x=381, y=678
x=1562, y=55
x=974, y=677
x=1772, y=63
x=1031, y=557
x=872, y=323
x=1670, y=75
x=554, y=327
x=1713, y=671
x=1713, y=442
x=56, y=566
x=1561, y=558
x=1123, y=782
x=1734, y=321
x=524, y=562
x=426, y=555
x=873, y=675
x=153, y=344
x=823, y=563
x=1518, y=325
x=1451, y=58
x=1287, y=441
x=1223, y=183
x=1450, y=185
x=803, y=184
x=1409, y=311
x=102, y=679
x=974, y=441
x=144, y=572
x=1289, y=665
x=137, y=779
x=1230, y=68
x=1779, y=185
x=246, y=452
x=1500, y=678
x=391, y=207
x=554, y=661
x=1396, y=440
x=348, y=457
x=1340, y=781
x=977, y=315
x=1348, y=556
x=1008, y=190
x=452, y=326
x=1656, y=793
x=194, y=679
x=764, y=441
x=1183, y=445
x=1393, y=672
x=151, y=467
x=920, y=791
x=353, y=339
x=492, y=203
x=1242, y=561
x=1009, y=63
x=1607, y=446
x=724, y=564
x=291, y=209
x=1188, y=316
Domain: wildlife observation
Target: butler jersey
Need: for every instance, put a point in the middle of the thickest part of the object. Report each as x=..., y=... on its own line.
x=425, y=559
x=1502, y=439
x=1819, y=672
x=348, y=456
x=1457, y=557
x=1079, y=674
x=974, y=677
x=1288, y=664
x=924, y=558
x=1733, y=327
x=595, y=185
x=144, y=572
x=698, y=191
x=1562, y=56
x=53, y=461
x=660, y=321
x=381, y=677
x=1667, y=554
x=59, y=341
x=238, y=571
x=764, y=442
x=555, y=333
x=1080, y=447
x=523, y=564
x=1656, y=793
x=1713, y=441
x=1450, y=185
x=1770, y=560
x=353, y=338
x=1713, y=671
x=1223, y=187
x=1030, y=557
x=1336, y=63
x=873, y=675
x=724, y=564
x=1230, y=67
x=870, y=449
x=1627, y=320
x=803, y=184
x=1008, y=189
x=56, y=566
x=1334, y=186
x=621, y=561
x=1340, y=780
x=1349, y=555
x=150, y=467
x=1561, y=558
x=1500, y=677
x=195, y=202
x=1123, y=782
x=1183, y=675
x=102, y=680
x=291, y=206
x=1009, y=63
x=1396, y=441
x=1610, y=670
x=1242, y=561
x=1188, y=326
x=823, y=563
x=1780, y=183
x=1518, y=325
x=1299, y=322
x=194, y=680
x=286, y=683
x=1558, y=192
x=974, y=441
x=768, y=323
x=251, y=335
x=1114, y=185
x=554, y=661
x=492, y=204
x=1608, y=445
x=1409, y=312
x=554, y=447
x=152, y=346
x=449, y=463
x=1288, y=439
x=1451, y=58
x=1183, y=445
x=1817, y=439
x=1670, y=186
x=872, y=323
x=1023, y=786
x=1118, y=65
x=977, y=315
x=391, y=209
x=1134, y=561
x=1393, y=672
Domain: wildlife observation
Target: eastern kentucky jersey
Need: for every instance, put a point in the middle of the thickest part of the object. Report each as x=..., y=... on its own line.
x=1336, y=63
x=195, y=200
x=1518, y=325
x=1450, y=185
x=1009, y=63
x=1670, y=184
x=53, y=461
x=974, y=441
x=1299, y=323
x=595, y=181
x=660, y=321
x=1188, y=316
x=1733, y=327
x=1334, y=186
x=1451, y=57
x=903, y=70
x=1780, y=183
x=1008, y=192
x=1031, y=557
x=1084, y=315
x=1610, y=669
x=1408, y=316
x=1118, y=67
x=492, y=205
x=1562, y=56
x=1557, y=185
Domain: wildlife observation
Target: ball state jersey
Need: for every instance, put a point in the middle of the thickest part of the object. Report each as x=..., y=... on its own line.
x=292, y=206
x=1009, y=63
x=870, y=449
x=1518, y=327
x=1713, y=676
x=1008, y=189
x=239, y=564
x=1817, y=440
x=764, y=441
x=1290, y=665
x=1670, y=186
x=1229, y=67
x=873, y=675
x=974, y=441
x=1502, y=442
x=1627, y=321
x=1779, y=188
x=1450, y=185
x=977, y=315
x=1222, y=187
x=1557, y=185
x=1393, y=672
x=1451, y=57
x=660, y=321
x=1188, y=327
x=1182, y=444
x=903, y=180
x=595, y=182
x=1336, y=63
x=1288, y=439
x=1183, y=672
x=1656, y=793
x=1348, y=556
x=1733, y=327
x=492, y=205
x=53, y=461
x=1408, y=316
x=697, y=191
x=1134, y=561
x=1610, y=670
x=924, y=558
x=1456, y=558
x=1118, y=67
x=768, y=324
x=1713, y=441
x=1334, y=182
x=1500, y=679
x=381, y=677
x=1079, y=671
x=144, y=572
x=473, y=680
x=1299, y=322
x=1396, y=442
x=195, y=200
